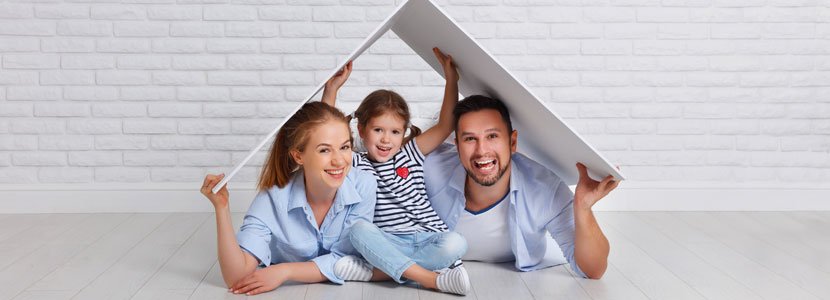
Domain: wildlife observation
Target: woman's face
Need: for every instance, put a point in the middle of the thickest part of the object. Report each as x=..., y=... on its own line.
x=327, y=156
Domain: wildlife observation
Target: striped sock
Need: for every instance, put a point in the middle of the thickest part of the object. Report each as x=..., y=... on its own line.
x=352, y=268
x=454, y=281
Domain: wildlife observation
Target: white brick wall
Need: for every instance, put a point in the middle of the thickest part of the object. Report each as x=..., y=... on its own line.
x=158, y=91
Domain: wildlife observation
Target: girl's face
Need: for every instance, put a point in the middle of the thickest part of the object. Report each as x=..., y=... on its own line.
x=383, y=136
x=327, y=156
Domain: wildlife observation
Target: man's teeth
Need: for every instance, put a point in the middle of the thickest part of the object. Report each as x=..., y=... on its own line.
x=481, y=163
x=335, y=172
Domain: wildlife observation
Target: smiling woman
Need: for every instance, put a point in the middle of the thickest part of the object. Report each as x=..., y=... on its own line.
x=309, y=197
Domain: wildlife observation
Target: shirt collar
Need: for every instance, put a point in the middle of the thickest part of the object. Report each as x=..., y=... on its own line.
x=346, y=193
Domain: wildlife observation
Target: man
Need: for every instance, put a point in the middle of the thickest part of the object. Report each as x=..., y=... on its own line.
x=504, y=203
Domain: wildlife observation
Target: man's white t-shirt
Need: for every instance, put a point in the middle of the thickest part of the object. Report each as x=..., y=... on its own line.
x=486, y=227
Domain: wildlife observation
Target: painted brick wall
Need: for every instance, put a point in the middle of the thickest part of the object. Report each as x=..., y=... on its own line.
x=167, y=90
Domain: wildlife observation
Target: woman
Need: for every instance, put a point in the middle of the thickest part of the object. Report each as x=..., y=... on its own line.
x=298, y=225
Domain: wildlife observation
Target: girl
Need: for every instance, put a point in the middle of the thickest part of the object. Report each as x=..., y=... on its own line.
x=297, y=226
x=408, y=239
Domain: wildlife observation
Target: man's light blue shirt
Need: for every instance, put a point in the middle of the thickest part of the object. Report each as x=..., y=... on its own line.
x=280, y=226
x=539, y=203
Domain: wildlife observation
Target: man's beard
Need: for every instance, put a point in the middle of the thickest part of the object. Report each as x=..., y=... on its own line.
x=488, y=181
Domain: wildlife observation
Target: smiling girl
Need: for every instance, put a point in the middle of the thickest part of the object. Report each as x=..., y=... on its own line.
x=407, y=240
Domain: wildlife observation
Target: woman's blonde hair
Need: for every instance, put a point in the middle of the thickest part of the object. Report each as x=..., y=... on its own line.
x=380, y=102
x=294, y=135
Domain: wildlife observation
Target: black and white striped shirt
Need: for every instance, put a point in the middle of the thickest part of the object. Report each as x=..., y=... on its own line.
x=402, y=206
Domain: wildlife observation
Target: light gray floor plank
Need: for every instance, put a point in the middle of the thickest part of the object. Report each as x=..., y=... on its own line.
x=613, y=285
x=800, y=240
x=83, y=268
x=657, y=255
x=654, y=279
x=45, y=295
x=729, y=232
x=11, y=225
x=173, y=294
x=123, y=279
x=55, y=252
x=765, y=282
x=47, y=227
x=322, y=291
x=388, y=290
x=497, y=281
x=708, y=280
x=213, y=287
x=553, y=283
x=186, y=268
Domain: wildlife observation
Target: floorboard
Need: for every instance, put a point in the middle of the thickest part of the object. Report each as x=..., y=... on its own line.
x=654, y=255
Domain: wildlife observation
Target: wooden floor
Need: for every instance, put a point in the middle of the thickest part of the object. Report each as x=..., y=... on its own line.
x=654, y=255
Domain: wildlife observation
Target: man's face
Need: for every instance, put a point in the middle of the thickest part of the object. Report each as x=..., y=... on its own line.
x=485, y=146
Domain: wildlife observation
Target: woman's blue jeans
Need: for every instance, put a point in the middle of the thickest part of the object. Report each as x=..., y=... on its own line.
x=394, y=253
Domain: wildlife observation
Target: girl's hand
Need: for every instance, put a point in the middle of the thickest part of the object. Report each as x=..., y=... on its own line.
x=261, y=280
x=220, y=199
x=339, y=79
x=450, y=72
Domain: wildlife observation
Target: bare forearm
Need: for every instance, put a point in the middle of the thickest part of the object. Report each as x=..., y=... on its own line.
x=329, y=96
x=591, y=247
x=450, y=99
x=232, y=259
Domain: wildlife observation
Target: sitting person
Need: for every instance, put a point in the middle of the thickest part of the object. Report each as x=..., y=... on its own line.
x=298, y=225
x=504, y=203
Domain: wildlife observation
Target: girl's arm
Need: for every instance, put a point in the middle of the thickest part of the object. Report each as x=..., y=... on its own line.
x=334, y=83
x=234, y=262
x=272, y=277
x=435, y=135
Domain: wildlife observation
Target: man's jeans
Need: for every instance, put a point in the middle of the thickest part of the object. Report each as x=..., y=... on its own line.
x=393, y=254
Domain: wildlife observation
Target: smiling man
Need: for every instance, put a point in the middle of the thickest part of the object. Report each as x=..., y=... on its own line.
x=505, y=204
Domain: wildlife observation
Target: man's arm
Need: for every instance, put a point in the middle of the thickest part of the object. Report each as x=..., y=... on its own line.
x=590, y=245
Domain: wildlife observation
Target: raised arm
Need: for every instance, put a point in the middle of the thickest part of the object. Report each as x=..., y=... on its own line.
x=435, y=135
x=334, y=83
x=590, y=246
x=234, y=262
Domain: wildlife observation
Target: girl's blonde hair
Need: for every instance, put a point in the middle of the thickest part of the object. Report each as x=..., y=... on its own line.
x=294, y=135
x=382, y=101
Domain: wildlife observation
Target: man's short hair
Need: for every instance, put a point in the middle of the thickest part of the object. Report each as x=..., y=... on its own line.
x=476, y=103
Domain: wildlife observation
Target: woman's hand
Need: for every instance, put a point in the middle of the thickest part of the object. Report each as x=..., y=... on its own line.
x=450, y=72
x=261, y=280
x=588, y=191
x=220, y=199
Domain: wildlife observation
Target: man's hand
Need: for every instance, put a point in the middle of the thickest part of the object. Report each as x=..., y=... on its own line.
x=588, y=191
x=261, y=280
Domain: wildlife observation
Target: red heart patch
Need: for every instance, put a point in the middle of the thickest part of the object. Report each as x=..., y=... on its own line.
x=402, y=172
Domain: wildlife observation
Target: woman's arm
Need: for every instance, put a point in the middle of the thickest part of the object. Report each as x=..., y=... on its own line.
x=435, y=135
x=334, y=83
x=234, y=262
x=267, y=279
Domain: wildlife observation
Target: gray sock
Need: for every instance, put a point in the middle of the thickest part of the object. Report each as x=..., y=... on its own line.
x=352, y=268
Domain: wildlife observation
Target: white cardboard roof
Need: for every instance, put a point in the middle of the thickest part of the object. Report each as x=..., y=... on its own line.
x=543, y=136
